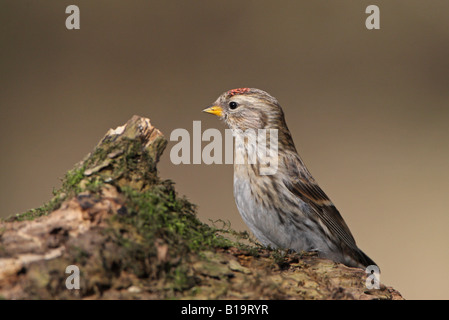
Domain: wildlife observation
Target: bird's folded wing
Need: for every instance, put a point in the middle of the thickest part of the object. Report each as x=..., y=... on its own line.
x=303, y=186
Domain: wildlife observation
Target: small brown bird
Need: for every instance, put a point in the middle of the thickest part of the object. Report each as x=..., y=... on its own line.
x=286, y=209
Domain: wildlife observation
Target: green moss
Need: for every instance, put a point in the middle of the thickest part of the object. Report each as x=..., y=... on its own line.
x=158, y=214
x=98, y=168
x=238, y=239
x=71, y=181
x=155, y=218
x=70, y=187
x=155, y=235
x=179, y=279
x=79, y=255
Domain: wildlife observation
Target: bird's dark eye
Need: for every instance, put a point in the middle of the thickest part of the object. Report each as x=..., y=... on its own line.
x=233, y=105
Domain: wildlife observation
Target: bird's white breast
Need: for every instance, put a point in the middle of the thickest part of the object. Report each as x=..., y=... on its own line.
x=272, y=226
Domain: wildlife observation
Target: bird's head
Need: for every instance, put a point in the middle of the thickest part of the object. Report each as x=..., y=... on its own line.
x=248, y=108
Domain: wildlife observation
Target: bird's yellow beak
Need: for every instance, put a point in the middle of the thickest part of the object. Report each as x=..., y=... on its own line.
x=217, y=110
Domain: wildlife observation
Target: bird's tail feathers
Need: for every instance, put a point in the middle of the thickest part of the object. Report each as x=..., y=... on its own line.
x=364, y=261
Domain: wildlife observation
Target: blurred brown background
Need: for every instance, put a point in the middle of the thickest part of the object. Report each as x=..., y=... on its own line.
x=368, y=110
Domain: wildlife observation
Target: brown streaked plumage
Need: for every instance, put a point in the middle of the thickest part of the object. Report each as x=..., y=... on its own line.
x=286, y=209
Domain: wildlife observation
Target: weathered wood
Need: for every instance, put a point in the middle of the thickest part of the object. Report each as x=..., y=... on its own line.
x=132, y=237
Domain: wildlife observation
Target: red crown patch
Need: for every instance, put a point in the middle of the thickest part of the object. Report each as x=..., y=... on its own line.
x=233, y=92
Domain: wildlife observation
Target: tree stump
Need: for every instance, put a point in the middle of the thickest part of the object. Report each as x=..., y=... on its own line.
x=131, y=236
